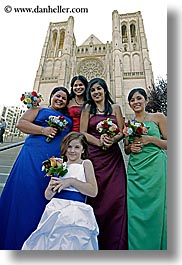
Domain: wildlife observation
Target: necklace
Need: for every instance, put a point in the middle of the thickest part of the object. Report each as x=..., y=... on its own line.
x=100, y=111
x=78, y=103
x=143, y=118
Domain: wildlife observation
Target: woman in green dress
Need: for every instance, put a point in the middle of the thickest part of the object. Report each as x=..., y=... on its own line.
x=146, y=178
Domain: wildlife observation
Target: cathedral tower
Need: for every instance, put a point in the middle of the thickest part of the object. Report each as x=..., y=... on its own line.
x=124, y=62
x=56, y=58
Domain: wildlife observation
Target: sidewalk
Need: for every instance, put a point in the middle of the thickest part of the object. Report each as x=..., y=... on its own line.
x=12, y=139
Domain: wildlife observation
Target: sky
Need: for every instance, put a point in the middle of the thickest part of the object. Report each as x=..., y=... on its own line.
x=23, y=36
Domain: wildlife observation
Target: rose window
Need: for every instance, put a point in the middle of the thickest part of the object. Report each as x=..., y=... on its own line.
x=91, y=68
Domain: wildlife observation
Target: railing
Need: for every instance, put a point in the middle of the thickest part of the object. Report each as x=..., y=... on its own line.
x=5, y=167
x=11, y=146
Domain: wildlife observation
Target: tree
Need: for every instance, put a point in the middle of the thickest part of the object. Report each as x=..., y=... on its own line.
x=158, y=97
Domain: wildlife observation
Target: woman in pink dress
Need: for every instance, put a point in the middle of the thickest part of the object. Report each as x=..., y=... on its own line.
x=104, y=151
x=78, y=96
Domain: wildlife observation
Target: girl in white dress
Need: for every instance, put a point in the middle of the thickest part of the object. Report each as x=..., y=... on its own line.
x=68, y=223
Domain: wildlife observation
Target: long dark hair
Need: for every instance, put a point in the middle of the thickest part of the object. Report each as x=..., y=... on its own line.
x=74, y=136
x=108, y=100
x=81, y=78
x=139, y=90
x=54, y=91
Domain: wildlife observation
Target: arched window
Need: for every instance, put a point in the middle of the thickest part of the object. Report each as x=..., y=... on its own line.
x=124, y=33
x=54, y=38
x=61, y=41
x=132, y=32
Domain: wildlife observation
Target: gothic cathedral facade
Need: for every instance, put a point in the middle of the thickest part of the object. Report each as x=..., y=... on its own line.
x=124, y=62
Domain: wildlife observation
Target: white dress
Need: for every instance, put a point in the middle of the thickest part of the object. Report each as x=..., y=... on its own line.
x=66, y=224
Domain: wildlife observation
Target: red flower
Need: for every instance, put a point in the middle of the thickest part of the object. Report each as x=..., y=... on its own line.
x=22, y=97
x=139, y=130
x=34, y=93
x=105, y=125
x=61, y=118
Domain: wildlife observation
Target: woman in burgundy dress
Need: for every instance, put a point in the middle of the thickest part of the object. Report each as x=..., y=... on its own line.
x=78, y=97
x=104, y=152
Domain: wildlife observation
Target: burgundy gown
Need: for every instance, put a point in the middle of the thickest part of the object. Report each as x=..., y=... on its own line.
x=110, y=203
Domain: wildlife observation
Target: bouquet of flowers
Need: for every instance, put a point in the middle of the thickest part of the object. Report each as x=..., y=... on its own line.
x=58, y=122
x=133, y=129
x=31, y=99
x=54, y=166
x=107, y=126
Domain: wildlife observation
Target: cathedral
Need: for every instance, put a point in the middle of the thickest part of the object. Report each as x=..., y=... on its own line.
x=123, y=62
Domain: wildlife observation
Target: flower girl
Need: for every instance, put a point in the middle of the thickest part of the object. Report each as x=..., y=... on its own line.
x=68, y=223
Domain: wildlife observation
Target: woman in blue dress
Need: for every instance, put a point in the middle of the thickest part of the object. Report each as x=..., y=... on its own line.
x=22, y=201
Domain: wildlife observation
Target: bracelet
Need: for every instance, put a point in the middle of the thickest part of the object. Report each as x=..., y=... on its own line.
x=42, y=130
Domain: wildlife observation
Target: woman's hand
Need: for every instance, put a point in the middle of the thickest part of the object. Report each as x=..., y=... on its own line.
x=107, y=140
x=49, y=131
x=145, y=139
x=136, y=146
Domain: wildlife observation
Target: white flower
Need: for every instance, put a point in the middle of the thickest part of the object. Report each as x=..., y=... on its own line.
x=138, y=124
x=130, y=131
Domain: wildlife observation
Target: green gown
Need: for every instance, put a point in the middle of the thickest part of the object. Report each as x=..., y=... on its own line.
x=147, y=214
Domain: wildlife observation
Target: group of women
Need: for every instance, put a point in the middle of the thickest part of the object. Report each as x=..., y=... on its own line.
x=130, y=207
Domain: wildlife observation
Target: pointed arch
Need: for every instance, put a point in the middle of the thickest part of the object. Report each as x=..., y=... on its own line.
x=133, y=32
x=47, y=69
x=127, y=65
x=124, y=33
x=61, y=41
x=136, y=63
x=54, y=39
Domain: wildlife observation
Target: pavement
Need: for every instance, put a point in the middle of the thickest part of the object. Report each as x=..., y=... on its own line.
x=9, y=151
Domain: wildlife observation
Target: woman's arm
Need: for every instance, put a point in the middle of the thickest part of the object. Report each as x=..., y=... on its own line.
x=120, y=121
x=134, y=147
x=161, y=120
x=84, y=119
x=26, y=125
x=127, y=146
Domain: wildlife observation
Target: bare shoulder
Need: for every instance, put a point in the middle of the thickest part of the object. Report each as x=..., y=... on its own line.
x=117, y=109
x=160, y=115
x=116, y=106
x=87, y=108
x=87, y=162
x=71, y=103
x=157, y=117
x=32, y=112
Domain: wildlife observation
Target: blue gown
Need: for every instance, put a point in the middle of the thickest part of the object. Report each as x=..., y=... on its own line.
x=22, y=201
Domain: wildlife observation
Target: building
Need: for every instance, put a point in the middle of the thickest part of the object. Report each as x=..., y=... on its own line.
x=11, y=114
x=123, y=62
